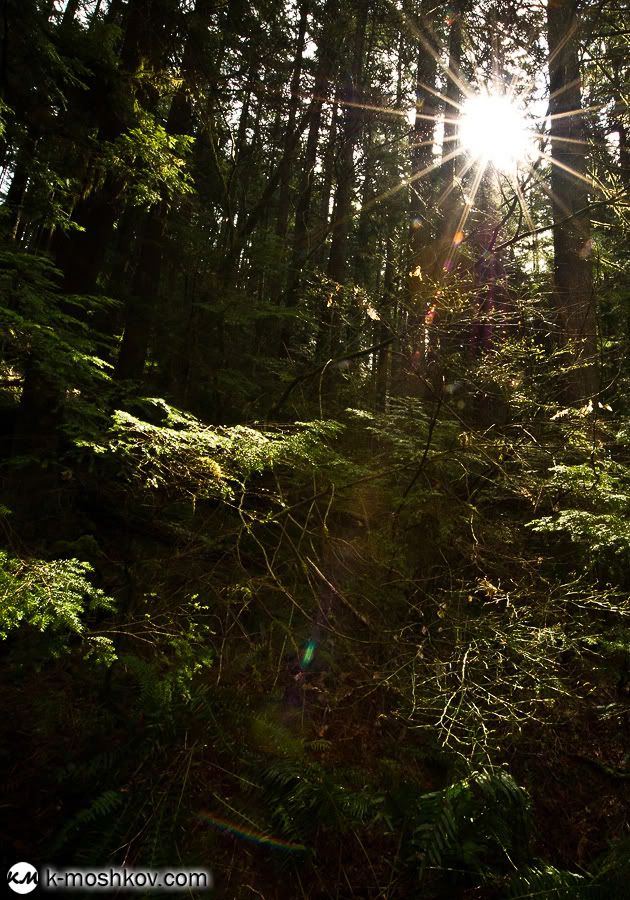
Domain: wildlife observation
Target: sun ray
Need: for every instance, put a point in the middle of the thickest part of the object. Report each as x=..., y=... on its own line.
x=436, y=118
x=458, y=176
x=570, y=112
x=585, y=178
x=523, y=205
x=431, y=142
x=549, y=193
x=406, y=182
x=565, y=140
x=417, y=34
x=470, y=200
x=441, y=96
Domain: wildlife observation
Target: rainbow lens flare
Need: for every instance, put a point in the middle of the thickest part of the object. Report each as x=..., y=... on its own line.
x=251, y=834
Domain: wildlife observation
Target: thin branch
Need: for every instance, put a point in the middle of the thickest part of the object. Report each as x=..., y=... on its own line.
x=543, y=228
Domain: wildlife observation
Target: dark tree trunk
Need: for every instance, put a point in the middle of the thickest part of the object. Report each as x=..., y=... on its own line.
x=70, y=12
x=300, y=247
x=143, y=298
x=342, y=215
x=17, y=189
x=81, y=254
x=353, y=118
x=383, y=361
x=421, y=188
x=294, y=102
x=573, y=280
x=453, y=92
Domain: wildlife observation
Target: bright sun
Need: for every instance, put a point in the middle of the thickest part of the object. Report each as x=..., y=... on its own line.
x=493, y=129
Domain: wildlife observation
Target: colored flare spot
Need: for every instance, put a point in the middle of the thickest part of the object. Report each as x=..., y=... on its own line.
x=251, y=834
x=458, y=238
x=309, y=653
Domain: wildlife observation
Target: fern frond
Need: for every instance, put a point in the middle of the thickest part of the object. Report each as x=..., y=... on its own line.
x=547, y=883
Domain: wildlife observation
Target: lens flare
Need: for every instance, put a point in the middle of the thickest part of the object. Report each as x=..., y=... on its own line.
x=250, y=834
x=493, y=130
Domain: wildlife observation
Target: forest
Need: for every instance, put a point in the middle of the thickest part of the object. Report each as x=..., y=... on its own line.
x=315, y=445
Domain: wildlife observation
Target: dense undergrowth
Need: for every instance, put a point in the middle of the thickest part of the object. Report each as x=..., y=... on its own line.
x=315, y=446
x=392, y=646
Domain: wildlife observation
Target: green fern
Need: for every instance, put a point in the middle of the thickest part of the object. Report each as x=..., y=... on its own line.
x=547, y=883
x=304, y=796
x=102, y=807
x=472, y=824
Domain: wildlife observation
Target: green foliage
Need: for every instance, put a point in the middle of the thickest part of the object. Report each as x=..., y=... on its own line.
x=53, y=597
x=151, y=161
x=598, y=496
x=184, y=456
x=548, y=883
x=303, y=797
x=104, y=806
x=480, y=824
x=42, y=324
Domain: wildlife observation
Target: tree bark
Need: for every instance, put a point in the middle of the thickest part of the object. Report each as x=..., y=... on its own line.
x=421, y=188
x=81, y=253
x=299, y=254
x=573, y=280
x=145, y=289
x=452, y=204
x=353, y=119
x=282, y=220
x=342, y=214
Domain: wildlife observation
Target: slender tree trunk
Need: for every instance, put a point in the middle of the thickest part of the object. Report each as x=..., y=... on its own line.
x=452, y=204
x=143, y=298
x=342, y=215
x=383, y=362
x=421, y=189
x=300, y=248
x=321, y=227
x=282, y=220
x=81, y=254
x=17, y=189
x=573, y=280
x=353, y=119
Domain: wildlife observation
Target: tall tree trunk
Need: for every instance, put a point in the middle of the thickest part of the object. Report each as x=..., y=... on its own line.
x=17, y=189
x=383, y=361
x=324, y=71
x=453, y=93
x=320, y=230
x=421, y=188
x=81, y=253
x=353, y=118
x=342, y=215
x=573, y=280
x=282, y=220
x=145, y=289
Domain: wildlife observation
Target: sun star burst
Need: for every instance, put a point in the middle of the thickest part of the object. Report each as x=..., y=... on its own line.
x=493, y=130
